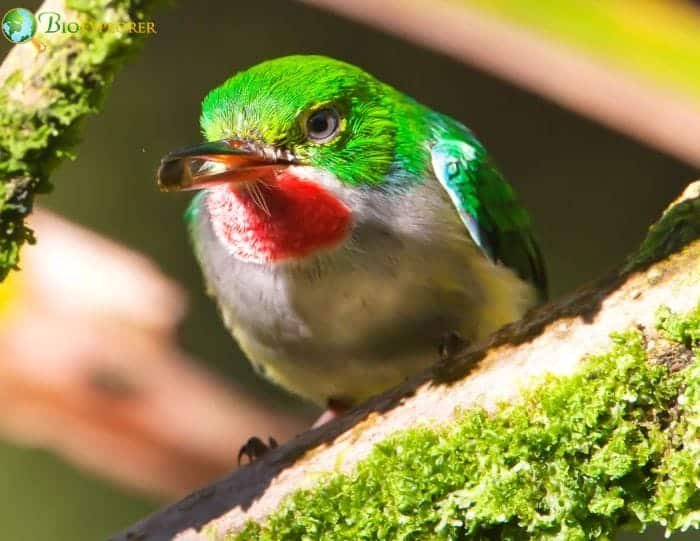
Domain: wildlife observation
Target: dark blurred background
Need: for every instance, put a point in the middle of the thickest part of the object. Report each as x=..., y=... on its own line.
x=592, y=192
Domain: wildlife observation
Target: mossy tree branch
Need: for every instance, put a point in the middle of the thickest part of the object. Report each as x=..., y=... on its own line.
x=44, y=96
x=579, y=420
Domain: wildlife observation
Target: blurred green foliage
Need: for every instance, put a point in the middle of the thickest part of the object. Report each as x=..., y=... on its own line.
x=592, y=192
x=658, y=39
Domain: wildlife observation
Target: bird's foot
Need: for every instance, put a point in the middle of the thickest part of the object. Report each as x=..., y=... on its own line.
x=450, y=343
x=255, y=448
x=335, y=408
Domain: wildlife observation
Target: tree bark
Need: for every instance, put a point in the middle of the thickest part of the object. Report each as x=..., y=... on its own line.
x=559, y=349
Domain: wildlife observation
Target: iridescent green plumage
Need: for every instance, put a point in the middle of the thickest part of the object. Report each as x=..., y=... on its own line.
x=486, y=202
x=380, y=124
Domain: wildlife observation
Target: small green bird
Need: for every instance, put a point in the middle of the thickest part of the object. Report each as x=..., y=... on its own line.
x=344, y=228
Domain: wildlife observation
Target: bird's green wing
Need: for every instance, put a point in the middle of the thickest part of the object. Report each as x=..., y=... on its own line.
x=488, y=207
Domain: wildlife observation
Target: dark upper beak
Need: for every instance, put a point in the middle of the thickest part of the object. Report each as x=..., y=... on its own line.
x=219, y=162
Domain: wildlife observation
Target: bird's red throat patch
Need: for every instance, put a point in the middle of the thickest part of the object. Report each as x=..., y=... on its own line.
x=295, y=218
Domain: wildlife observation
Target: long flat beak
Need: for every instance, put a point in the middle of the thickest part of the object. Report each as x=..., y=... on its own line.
x=219, y=162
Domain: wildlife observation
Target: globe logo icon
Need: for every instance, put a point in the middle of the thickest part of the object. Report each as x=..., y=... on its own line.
x=18, y=25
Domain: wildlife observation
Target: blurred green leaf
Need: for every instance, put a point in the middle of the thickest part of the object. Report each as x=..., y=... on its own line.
x=659, y=39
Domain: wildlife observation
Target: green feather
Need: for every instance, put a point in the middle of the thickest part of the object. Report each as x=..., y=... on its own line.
x=486, y=203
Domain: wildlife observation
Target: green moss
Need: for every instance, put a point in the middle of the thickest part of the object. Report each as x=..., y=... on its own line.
x=682, y=329
x=576, y=458
x=678, y=227
x=74, y=73
x=677, y=501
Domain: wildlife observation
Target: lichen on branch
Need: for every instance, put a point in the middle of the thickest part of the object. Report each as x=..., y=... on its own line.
x=44, y=96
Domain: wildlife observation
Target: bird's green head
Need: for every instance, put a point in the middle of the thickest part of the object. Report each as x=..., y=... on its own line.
x=289, y=143
x=326, y=113
x=321, y=112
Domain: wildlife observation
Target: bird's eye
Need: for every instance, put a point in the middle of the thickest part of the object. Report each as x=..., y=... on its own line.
x=323, y=125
